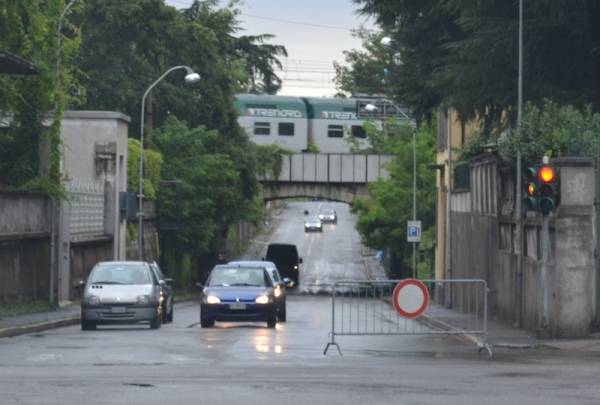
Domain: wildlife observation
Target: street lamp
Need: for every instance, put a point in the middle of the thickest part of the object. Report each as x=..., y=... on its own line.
x=386, y=42
x=373, y=108
x=190, y=77
x=58, y=41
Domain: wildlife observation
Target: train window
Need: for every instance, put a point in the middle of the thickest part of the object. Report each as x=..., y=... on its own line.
x=286, y=129
x=358, y=131
x=262, y=128
x=335, y=131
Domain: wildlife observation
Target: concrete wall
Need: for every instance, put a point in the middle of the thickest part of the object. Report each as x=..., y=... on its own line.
x=24, y=248
x=483, y=246
x=95, y=151
x=95, y=168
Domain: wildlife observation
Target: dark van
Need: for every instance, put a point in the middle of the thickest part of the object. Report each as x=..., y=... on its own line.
x=285, y=257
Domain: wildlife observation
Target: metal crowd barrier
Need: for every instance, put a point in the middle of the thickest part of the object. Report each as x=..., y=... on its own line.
x=364, y=308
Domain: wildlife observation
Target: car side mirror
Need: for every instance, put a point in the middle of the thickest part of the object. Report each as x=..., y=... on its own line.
x=162, y=283
x=169, y=281
x=300, y=260
x=81, y=284
x=288, y=282
x=199, y=285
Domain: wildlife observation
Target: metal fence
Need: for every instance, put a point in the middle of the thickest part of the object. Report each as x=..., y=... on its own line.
x=364, y=308
x=86, y=200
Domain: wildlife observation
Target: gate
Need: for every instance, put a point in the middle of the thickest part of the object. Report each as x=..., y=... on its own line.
x=364, y=308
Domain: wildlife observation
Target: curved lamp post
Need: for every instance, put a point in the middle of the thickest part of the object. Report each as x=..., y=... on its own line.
x=190, y=77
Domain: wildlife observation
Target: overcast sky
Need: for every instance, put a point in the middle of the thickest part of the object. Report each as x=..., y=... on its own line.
x=315, y=33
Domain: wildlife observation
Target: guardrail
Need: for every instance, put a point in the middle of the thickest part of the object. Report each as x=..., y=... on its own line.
x=365, y=308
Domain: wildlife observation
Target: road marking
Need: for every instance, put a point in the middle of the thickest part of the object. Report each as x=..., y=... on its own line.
x=179, y=357
x=46, y=357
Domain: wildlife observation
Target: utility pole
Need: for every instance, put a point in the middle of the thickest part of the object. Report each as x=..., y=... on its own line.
x=518, y=180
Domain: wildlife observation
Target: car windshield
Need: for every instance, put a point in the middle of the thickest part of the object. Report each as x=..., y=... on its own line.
x=239, y=276
x=314, y=219
x=327, y=212
x=120, y=274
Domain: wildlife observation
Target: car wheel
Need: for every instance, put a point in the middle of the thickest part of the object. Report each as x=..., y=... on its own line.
x=271, y=322
x=281, y=317
x=165, y=315
x=155, y=323
x=88, y=325
x=207, y=323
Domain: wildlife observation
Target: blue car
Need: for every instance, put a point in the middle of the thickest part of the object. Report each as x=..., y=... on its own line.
x=237, y=293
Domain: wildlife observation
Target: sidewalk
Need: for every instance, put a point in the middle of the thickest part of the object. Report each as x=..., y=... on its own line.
x=37, y=322
x=501, y=335
x=41, y=321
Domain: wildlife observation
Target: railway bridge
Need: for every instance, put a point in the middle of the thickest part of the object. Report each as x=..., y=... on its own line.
x=330, y=176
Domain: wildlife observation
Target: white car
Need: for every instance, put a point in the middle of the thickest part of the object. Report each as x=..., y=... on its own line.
x=313, y=224
x=328, y=216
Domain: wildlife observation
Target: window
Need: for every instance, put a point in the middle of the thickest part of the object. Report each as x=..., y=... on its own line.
x=262, y=128
x=358, y=131
x=335, y=131
x=286, y=129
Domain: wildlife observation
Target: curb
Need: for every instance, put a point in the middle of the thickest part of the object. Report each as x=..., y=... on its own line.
x=13, y=331
x=37, y=327
x=437, y=324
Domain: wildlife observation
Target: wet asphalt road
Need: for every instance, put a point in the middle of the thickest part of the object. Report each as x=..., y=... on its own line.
x=247, y=363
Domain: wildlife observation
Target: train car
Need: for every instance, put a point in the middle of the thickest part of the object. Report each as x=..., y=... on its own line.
x=332, y=121
x=280, y=120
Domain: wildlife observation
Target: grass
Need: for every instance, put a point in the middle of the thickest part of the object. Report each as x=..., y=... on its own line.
x=7, y=310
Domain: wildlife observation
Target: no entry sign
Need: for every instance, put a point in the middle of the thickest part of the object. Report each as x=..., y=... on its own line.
x=411, y=298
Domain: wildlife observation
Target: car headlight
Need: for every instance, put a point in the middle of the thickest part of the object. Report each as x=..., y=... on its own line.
x=321, y=217
x=211, y=299
x=295, y=267
x=318, y=225
x=277, y=291
x=263, y=299
x=142, y=299
x=93, y=300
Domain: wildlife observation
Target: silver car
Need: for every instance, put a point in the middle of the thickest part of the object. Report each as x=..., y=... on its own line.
x=313, y=224
x=328, y=216
x=121, y=292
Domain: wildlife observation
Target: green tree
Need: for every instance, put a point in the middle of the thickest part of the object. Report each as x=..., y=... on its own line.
x=260, y=61
x=127, y=45
x=382, y=219
x=28, y=29
x=463, y=54
x=205, y=187
x=153, y=162
x=364, y=71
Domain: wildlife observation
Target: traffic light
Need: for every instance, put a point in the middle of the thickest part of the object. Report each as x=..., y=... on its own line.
x=541, y=191
x=548, y=193
x=531, y=189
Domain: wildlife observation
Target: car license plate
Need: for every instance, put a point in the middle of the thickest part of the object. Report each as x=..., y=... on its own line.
x=118, y=310
x=237, y=305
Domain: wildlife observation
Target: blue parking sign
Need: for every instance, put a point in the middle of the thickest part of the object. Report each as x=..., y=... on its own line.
x=413, y=231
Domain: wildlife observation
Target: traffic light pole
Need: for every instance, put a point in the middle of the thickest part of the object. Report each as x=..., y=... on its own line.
x=545, y=254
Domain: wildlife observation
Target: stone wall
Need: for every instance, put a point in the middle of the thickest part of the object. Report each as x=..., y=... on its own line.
x=483, y=246
x=24, y=248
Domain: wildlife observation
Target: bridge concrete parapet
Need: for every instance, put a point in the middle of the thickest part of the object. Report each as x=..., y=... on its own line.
x=342, y=192
x=332, y=176
x=332, y=168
